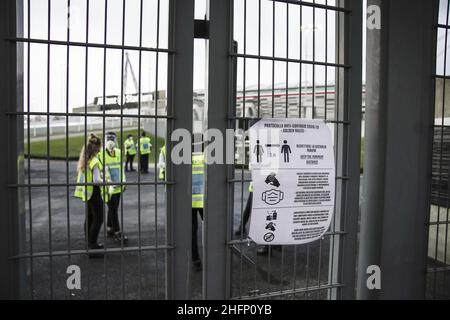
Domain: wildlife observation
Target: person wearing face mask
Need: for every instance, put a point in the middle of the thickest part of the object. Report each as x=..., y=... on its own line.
x=111, y=156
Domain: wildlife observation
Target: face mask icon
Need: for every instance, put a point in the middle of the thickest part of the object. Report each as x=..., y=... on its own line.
x=272, y=197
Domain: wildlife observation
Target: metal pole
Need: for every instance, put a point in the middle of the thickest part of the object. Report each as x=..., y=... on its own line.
x=372, y=201
x=348, y=137
x=219, y=98
x=180, y=99
x=11, y=88
x=397, y=164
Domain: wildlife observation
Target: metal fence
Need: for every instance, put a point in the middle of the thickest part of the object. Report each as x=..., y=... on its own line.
x=438, y=270
x=50, y=219
x=328, y=70
x=43, y=229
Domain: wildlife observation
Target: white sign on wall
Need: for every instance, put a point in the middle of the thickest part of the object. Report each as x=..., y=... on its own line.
x=293, y=173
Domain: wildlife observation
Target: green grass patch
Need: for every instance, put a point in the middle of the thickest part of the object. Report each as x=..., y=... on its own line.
x=59, y=150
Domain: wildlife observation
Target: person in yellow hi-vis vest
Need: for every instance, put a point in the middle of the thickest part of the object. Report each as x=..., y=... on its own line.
x=198, y=191
x=198, y=169
x=130, y=150
x=89, y=189
x=113, y=163
x=144, y=151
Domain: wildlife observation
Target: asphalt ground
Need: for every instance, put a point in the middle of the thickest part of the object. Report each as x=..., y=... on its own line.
x=124, y=274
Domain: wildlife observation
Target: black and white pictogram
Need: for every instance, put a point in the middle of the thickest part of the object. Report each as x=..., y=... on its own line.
x=272, y=180
x=271, y=226
x=286, y=150
x=258, y=151
x=272, y=197
x=272, y=215
x=268, y=237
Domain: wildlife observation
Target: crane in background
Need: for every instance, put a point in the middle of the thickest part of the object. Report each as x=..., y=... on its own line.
x=127, y=66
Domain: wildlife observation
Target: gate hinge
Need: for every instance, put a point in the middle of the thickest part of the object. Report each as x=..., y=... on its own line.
x=201, y=29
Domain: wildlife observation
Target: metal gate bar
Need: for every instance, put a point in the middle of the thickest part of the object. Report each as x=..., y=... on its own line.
x=11, y=91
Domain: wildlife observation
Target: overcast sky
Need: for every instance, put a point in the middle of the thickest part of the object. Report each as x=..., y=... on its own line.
x=287, y=17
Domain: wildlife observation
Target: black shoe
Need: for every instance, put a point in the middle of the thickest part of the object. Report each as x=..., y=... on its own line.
x=262, y=251
x=197, y=265
x=96, y=246
x=126, y=170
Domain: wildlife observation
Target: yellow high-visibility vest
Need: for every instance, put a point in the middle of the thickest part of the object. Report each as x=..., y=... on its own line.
x=130, y=147
x=116, y=172
x=198, y=177
x=144, y=145
x=85, y=192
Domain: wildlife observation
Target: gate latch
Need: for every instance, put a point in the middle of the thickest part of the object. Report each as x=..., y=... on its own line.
x=201, y=29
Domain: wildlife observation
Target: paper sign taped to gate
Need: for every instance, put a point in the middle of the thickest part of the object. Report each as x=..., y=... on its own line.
x=293, y=173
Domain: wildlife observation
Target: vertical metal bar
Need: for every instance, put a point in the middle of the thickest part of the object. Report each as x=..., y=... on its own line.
x=105, y=259
x=122, y=93
x=326, y=61
x=334, y=248
x=245, y=124
x=219, y=62
x=49, y=202
x=156, y=148
x=181, y=33
x=349, y=155
x=141, y=6
x=438, y=218
x=86, y=78
x=259, y=61
x=232, y=123
x=300, y=66
x=69, y=257
x=314, y=64
x=287, y=63
x=9, y=232
x=448, y=172
x=17, y=197
x=30, y=205
x=307, y=261
x=400, y=254
x=273, y=66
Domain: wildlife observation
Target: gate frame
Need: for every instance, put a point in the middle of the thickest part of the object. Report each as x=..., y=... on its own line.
x=343, y=269
x=179, y=105
x=11, y=90
x=217, y=274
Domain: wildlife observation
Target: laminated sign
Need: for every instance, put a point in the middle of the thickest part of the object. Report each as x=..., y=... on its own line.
x=293, y=173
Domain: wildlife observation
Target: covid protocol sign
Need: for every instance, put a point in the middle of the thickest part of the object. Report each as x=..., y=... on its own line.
x=293, y=173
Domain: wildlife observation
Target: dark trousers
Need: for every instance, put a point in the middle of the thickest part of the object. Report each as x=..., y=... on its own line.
x=130, y=159
x=113, y=213
x=195, y=253
x=247, y=211
x=94, y=218
x=144, y=162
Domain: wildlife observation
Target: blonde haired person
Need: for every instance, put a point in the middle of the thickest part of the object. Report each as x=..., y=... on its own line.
x=89, y=190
